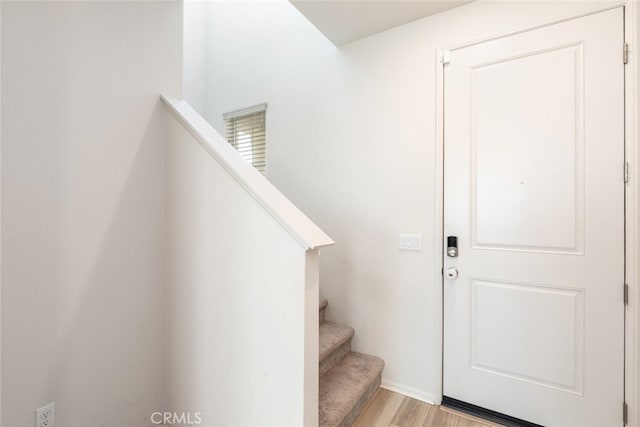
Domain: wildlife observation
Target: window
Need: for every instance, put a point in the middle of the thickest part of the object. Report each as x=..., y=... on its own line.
x=246, y=132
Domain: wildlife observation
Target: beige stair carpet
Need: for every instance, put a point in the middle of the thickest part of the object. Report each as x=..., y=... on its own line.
x=348, y=380
x=347, y=388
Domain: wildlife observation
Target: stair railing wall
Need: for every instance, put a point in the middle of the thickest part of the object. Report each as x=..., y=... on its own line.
x=241, y=331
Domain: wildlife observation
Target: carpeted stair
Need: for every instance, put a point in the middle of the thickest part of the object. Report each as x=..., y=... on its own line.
x=348, y=380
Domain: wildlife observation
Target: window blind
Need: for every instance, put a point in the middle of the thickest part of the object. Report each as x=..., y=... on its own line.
x=246, y=132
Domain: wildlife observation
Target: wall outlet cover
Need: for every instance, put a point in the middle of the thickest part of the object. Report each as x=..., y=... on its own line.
x=46, y=416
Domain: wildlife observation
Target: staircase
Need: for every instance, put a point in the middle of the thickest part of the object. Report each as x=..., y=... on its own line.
x=348, y=380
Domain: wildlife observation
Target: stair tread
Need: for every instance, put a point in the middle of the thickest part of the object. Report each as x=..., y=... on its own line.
x=332, y=336
x=323, y=303
x=343, y=386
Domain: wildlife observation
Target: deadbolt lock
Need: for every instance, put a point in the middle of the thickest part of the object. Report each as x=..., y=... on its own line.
x=452, y=246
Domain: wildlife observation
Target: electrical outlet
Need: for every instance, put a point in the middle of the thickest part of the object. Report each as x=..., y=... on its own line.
x=46, y=416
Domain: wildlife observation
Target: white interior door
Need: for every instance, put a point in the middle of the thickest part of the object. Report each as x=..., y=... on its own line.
x=534, y=191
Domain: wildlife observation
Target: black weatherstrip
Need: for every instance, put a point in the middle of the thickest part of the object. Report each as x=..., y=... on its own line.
x=486, y=414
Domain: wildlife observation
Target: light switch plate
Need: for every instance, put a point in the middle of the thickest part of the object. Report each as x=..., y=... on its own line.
x=410, y=242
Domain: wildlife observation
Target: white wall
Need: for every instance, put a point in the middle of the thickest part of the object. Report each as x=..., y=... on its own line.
x=632, y=365
x=82, y=208
x=351, y=140
x=237, y=287
x=193, y=67
x=0, y=213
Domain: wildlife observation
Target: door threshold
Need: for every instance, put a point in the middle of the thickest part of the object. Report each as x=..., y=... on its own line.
x=483, y=422
x=485, y=414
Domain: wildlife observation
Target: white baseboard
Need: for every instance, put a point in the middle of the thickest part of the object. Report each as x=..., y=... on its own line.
x=412, y=392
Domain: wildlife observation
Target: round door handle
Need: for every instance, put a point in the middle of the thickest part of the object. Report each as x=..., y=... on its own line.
x=451, y=273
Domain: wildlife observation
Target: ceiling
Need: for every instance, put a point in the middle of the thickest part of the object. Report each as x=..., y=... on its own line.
x=343, y=21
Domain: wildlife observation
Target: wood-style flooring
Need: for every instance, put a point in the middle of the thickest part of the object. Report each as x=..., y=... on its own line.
x=389, y=409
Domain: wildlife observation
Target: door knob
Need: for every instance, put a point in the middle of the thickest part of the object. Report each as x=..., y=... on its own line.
x=451, y=273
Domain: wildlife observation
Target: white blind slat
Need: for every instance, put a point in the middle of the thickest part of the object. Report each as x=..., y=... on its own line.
x=247, y=133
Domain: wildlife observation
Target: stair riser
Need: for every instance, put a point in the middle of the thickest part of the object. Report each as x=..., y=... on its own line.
x=335, y=357
x=355, y=412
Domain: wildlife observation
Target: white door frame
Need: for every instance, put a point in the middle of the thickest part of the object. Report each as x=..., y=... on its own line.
x=632, y=203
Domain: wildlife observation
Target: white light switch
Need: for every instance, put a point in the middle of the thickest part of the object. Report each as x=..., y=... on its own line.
x=410, y=242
